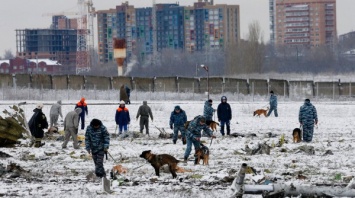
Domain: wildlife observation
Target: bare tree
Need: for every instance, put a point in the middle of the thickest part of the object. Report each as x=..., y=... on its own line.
x=8, y=54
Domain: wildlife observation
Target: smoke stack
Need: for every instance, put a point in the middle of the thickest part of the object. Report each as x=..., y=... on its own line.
x=119, y=53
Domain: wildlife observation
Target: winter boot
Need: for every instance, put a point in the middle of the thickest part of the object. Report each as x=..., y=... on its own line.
x=174, y=141
x=183, y=141
x=222, y=130
x=39, y=144
x=195, y=159
x=185, y=160
x=228, y=130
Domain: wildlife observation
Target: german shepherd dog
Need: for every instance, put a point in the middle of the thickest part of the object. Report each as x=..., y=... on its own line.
x=158, y=161
x=202, y=153
x=296, y=134
x=211, y=124
x=259, y=112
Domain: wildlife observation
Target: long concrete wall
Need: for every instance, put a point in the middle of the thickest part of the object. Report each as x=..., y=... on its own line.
x=217, y=85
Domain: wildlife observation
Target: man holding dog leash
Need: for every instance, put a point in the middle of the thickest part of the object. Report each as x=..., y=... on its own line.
x=193, y=134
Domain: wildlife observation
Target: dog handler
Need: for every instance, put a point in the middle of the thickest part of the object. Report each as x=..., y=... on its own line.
x=224, y=114
x=273, y=104
x=307, y=118
x=193, y=134
x=97, y=141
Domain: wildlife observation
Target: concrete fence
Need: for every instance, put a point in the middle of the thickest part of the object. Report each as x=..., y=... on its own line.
x=35, y=84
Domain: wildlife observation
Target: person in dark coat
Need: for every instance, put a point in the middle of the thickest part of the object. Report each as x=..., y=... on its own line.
x=122, y=117
x=273, y=104
x=128, y=92
x=224, y=114
x=144, y=112
x=84, y=110
x=178, y=119
x=37, y=123
x=97, y=142
x=308, y=117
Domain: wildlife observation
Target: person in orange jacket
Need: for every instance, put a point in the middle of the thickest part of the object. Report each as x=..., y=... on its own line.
x=84, y=110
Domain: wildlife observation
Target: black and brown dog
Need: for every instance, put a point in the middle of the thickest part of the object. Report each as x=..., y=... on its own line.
x=202, y=153
x=296, y=134
x=158, y=161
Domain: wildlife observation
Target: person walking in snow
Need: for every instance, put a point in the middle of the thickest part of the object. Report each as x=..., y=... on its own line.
x=273, y=104
x=54, y=113
x=97, y=142
x=308, y=117
x=224, y=114
x=177, y=123
x=71, y=125
x=122, y=118
x=193, y=134
x=37, y=123
x=84, y=110
x=208, y=111
x=144, y=112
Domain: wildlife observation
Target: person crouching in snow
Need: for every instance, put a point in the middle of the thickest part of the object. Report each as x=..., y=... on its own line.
x=122, y=118
x=37, y=123
x=97, y=141
x=193, y=134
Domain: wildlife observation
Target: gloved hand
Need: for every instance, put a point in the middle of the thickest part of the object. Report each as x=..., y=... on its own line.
x=105, y=150
x=197, y=138
x=316, y=122
x=89, y=151
x=152, y=119
x=171, y=126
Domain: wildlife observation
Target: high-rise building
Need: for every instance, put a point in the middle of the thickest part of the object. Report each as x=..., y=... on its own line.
x=203, y=26
x=303, y=22
x=54, y=44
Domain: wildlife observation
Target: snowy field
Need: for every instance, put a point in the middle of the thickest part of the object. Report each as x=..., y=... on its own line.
x=54, y=172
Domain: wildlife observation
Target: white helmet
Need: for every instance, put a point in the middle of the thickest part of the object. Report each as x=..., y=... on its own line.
x=122, y=102
x=39, y=106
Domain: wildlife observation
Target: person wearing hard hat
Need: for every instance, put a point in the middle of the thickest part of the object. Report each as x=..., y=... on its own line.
x=84, y=110
x=122, y=118
x=37, y=123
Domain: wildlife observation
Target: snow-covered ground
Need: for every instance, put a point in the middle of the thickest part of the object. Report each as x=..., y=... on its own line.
x=62, y=173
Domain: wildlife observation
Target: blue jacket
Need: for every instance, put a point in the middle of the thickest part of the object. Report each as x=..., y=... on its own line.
x=224, y=112
x=178, y=119
x=307, y=114
x=273, y=100
x=122, y=116
x=194, y=128
x=84, y=108
x=208, y=111
x=96, y=139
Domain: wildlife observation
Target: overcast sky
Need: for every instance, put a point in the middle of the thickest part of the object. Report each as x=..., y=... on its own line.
x=21, y=14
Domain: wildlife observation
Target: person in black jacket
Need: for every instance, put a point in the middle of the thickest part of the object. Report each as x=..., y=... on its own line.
x=37, y=123
x=224, y=114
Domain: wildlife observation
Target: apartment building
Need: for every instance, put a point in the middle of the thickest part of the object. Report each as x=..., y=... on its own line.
x=303, y=22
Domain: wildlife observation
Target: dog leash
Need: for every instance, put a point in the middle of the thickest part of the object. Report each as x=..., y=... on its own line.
x=111, y=157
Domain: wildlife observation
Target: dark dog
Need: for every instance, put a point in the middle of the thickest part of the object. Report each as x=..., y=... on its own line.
x=211, y=124
x=296, y=134
x=202, y=153
x=259, y=112
x=158, y=161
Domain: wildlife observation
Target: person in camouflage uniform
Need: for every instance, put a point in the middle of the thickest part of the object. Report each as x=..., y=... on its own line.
x=178, y=119
x=144, y=112
x=193, y=134
x=97, y=141
x=208, y=111
x=273, y=104
x=307, y=118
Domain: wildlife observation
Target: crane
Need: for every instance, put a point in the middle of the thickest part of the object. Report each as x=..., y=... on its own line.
x=85, y=34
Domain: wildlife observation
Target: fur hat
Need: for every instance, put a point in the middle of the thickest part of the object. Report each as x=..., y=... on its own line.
x=210, y=100
x=177, y=107
x=39, y=106
x=122, y=102
x=203, y=119
x=271, y=91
